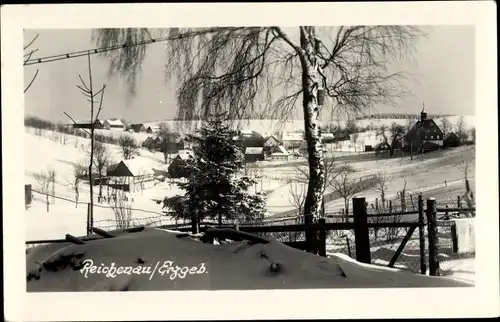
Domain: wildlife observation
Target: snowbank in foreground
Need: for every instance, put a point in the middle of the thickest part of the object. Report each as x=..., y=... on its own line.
x=162, y=261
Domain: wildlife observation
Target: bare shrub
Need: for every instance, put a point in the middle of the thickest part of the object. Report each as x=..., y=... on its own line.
x=44, y=180
x=297, y=195
x=122, y=209
x=129, y=146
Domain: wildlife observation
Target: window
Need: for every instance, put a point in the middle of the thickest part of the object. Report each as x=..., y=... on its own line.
x=432, y=137
x=437, y=137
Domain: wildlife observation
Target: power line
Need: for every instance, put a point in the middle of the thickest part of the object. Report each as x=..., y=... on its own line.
x=94, y=51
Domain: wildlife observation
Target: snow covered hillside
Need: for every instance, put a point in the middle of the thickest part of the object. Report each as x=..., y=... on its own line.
x=64, y=216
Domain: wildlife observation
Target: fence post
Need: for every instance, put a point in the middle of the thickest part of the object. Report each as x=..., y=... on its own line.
x=308, y=219
x=27, y=195
x=421, y=234
x=195, y=229
x=88, y=220
x=322, y=237
x=433, y=237
x=361, y=234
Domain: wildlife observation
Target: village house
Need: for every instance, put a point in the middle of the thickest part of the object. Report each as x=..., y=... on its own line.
x=279, y=153
x=113, y=124
x=138, y=127
x=253, y=140
x=152, y=143
x=451, y=140
x=177, y=169
x=327, y=137
x=425, y=133
x=292, y=140
x=152, y=129
x=254, y=154
x=98, y=124
x=271, y=142
x=130, y=175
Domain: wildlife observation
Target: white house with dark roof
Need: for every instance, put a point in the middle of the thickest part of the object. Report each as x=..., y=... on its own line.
x=113, y=124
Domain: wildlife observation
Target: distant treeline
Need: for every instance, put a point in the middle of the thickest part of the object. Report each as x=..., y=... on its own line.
x=41, y=124
x=399, y=116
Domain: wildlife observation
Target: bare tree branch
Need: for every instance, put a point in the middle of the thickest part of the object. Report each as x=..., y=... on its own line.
x=28, y=55
x=74, y=122
x=32, y=80
x=31, y=42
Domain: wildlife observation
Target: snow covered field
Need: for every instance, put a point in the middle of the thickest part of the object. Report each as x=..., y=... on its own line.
x=64, y=216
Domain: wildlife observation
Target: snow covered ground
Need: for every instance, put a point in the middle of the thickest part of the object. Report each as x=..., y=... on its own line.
x=426, y=176
x=43, y=152
x=64, y=216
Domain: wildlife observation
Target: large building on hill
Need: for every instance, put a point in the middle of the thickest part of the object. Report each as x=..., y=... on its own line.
x=425, y=133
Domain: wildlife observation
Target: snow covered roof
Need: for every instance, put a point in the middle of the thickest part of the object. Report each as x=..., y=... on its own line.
x=254, y=150
x=139, y=166
x=292, y=136
x=281, y=150
x=114, y=122
x=327, y=135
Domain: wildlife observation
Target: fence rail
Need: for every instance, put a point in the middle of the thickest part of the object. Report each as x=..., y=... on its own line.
x=359, y=236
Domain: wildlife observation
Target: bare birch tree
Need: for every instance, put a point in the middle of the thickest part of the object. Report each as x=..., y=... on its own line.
x=232, y=68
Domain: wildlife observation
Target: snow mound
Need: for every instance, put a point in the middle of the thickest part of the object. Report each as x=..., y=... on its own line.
x=154, y=259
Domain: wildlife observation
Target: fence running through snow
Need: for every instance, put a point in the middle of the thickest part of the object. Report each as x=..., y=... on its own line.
x=422, y=240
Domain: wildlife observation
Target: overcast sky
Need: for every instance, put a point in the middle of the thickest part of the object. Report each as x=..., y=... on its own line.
x=443, y=68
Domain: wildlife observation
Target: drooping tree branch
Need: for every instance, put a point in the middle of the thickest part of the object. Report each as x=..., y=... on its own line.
x=248, y=71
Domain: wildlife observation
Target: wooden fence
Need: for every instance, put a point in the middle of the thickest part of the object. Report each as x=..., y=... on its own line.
x=316, y=232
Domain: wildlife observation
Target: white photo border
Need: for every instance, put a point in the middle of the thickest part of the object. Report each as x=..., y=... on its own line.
x=482, y=300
